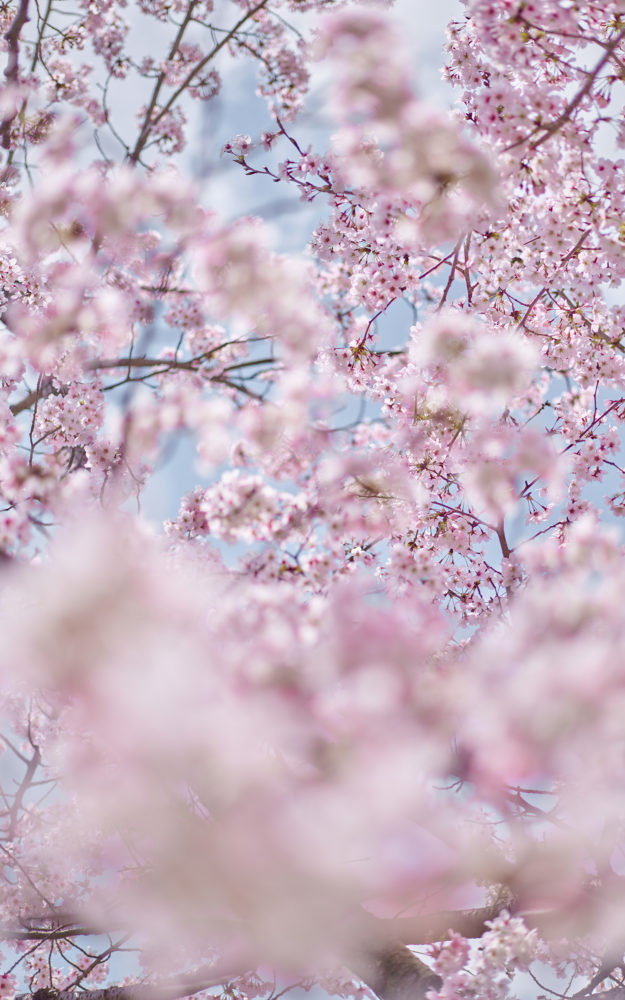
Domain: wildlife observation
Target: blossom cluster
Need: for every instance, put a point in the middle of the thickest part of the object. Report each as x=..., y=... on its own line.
x=373, y=664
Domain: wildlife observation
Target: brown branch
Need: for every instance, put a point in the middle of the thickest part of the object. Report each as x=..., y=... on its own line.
x=60, y=934
x=391, y=969
x=385, y=964
x=571, y=253
x=430, y=928
x=602, y=973
x=18, y=799
x=561, y=120
x=162, y=366
x=617, y=993
x=199, y=66
x=397, y=974
x=503, y=542
x=25, y=403
x=140, y=362
x=147, y=122
x=11, y=73
x=452, y=274
x=97, y=960
x=204, y=979
x=579, y=96
x=42, y=27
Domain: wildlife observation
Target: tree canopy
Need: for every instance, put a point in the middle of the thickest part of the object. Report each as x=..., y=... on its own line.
x=354, y=715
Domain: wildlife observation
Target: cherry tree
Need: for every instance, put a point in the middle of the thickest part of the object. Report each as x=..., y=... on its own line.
x=354, y=716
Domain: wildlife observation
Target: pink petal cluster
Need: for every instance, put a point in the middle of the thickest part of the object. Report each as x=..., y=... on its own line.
x=347, y=710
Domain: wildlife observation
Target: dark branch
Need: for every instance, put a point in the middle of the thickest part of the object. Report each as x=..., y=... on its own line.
x=60, y=934
x=617, y=993
x=397, y=974
x=11, y=73
x=171, y=990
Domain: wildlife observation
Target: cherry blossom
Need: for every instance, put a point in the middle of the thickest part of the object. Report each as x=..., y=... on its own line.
x=350, y=714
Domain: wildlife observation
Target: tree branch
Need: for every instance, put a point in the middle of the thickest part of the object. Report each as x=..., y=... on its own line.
x=60, y=934
x=11, y=73
x=617, y=993
x=199, y=66
x=557, y=123
x=432, y=927
x=147, y=118
x=396, y=974
x=18, y=799
x=182, y=986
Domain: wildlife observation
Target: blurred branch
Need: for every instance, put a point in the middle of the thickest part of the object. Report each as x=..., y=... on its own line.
x=431, y=927
x=617, y=993
x=204, y=979
x=60, y=934
x=12, y=37
x=397, y=974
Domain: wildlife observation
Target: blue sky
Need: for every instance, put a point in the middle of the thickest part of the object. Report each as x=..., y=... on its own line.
x=226, y=189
